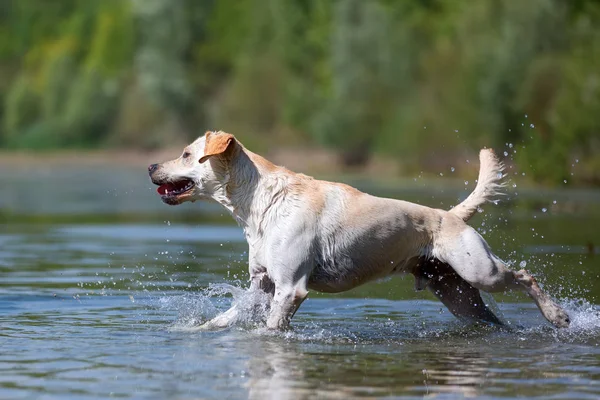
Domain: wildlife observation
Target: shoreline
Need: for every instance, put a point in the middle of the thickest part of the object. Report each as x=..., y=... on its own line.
x=313, y=161
x=307, y=160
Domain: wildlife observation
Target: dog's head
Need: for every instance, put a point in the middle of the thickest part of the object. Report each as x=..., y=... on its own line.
x=198, y=172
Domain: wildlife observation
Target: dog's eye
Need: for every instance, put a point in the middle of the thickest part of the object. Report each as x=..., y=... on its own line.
x=186, y=154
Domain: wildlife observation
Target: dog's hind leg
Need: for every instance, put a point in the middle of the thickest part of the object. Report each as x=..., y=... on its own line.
x=550, y=310
x=470, y=256
x=461, y=299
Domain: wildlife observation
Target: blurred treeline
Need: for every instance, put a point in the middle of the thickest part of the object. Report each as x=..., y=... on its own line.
x=401, y=78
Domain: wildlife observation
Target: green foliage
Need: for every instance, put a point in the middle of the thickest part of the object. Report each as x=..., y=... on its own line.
x=21, y=109
x=362, y=79
x=66, y=92
x=403, y=78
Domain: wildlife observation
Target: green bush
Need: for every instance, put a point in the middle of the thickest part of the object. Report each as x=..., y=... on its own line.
x=408, y=79
x=21, y=110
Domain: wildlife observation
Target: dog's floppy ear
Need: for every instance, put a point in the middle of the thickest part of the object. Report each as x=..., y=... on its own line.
x=217, y=143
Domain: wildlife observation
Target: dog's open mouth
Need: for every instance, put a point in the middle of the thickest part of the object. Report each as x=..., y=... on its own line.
x=175, y=189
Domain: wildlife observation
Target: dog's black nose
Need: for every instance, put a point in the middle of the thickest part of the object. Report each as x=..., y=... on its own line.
x=152, y=168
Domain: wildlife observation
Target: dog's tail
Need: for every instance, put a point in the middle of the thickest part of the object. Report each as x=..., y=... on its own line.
x=489, y=185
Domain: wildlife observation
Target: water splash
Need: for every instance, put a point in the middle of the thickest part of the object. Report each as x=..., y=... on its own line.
x=585, y=320
x=194, y=309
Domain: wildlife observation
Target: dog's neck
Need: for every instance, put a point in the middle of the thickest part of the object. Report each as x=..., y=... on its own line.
x=252, y=185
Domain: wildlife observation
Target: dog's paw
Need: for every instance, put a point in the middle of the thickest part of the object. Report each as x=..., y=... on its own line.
x=188, y=328
x=557, y=316
x=203, y=327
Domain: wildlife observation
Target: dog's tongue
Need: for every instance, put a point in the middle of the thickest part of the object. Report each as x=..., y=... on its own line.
x=166, y=188
x=171, y=187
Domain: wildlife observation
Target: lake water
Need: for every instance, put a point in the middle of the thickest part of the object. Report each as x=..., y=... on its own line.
x=97, y=274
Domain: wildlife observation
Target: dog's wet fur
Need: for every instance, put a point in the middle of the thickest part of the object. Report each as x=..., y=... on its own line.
x=307, y=234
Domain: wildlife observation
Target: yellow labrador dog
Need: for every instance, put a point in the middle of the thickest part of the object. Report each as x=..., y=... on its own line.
x=304, y=233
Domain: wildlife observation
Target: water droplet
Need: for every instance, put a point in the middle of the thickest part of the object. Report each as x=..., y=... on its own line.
x=510, y=145
x=441, y=174
x=544, y=209
x=452, y=169
x=506, y=154
x=466, y=182
x=523, y=264
x=565, y=181
x=531, y=126
x=553, y=201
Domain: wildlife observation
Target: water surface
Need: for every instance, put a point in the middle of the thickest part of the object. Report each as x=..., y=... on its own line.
x=95, y=281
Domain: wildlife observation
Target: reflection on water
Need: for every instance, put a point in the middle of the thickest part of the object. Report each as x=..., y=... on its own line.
x=87, y=307
x=113, y=346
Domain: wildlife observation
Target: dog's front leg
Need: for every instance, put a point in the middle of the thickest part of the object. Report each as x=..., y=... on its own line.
x=291, y=263
x=258, y=282
x=285, y=303
x=223, y=320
